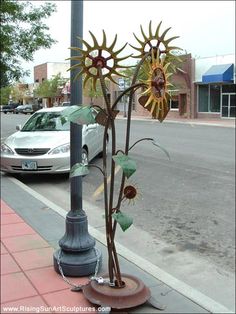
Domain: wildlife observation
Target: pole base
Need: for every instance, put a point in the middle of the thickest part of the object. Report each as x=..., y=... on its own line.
x=77, y=264
x=132, y=294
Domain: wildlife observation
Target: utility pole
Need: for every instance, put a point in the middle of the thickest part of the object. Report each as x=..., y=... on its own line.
x=77, y=255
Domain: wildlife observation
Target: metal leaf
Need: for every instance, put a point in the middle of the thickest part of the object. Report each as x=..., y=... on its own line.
x=79, y=169
x=154, y=142
x=84, y=115
x=102, y=117
x=123, y=220
x=127, y=164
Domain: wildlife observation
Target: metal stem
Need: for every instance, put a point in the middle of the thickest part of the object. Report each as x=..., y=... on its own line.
x=131, y=89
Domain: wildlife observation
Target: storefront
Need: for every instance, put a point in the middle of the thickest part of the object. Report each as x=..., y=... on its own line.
x=216, y=93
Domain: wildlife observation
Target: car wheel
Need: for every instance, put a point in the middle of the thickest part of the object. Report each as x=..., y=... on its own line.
x=84, y=157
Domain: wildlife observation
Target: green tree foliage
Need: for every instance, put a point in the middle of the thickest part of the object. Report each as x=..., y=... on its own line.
x=50, y=88
x=4, y=95
x=89, y=91
x=17, y=94
x=22, y=34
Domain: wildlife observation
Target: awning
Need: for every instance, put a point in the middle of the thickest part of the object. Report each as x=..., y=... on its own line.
x=219, y=73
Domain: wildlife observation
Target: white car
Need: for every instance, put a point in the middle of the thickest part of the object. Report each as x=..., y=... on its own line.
x=42, y=145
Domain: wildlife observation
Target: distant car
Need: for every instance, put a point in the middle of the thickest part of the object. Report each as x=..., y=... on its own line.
x=9, y=108
x=19, y=109
x=28, y=108
x=65, y=104
x=42, y=145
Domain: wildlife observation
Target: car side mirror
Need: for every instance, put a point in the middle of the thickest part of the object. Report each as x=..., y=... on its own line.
x=18, y=127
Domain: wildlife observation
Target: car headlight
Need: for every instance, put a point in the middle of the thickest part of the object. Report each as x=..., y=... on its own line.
x=6, y=149
x=60, y=149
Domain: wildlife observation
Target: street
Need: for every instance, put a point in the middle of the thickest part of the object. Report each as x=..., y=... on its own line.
x=184, y=214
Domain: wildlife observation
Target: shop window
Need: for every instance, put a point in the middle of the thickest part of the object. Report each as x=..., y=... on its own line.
x=214, y=98
x=174, y=101
x=229, y=88
x=203, y=98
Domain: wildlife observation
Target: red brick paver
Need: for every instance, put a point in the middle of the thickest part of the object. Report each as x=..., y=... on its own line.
x=29, y=283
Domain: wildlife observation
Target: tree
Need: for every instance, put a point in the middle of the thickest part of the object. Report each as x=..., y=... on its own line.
x=14, y=92
x=22, y=34
x=4, y=95
x=50, y=88
x=89, y=91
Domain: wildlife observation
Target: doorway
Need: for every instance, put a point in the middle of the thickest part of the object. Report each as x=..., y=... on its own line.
x=182, y=104
x=228, y=105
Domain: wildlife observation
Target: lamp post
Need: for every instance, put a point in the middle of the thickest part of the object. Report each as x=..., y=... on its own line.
x=77, y=255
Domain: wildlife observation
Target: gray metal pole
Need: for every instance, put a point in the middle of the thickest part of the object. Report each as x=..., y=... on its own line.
x=76, y=99
x=77, y=255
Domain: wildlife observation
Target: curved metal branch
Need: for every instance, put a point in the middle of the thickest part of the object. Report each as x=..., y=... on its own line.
x=95, y=166
x=143, y=139
x=136, y=86
x=119, y=150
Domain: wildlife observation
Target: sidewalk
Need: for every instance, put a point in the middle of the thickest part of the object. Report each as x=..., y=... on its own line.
x=30, y=232
x=228, y=123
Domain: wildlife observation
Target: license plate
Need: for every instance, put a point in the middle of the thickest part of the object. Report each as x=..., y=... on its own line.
x=29, y=165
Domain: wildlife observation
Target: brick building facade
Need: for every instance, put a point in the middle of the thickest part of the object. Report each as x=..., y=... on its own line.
x=191, y=97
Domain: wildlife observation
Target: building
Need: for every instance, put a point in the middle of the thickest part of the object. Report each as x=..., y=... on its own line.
x=181, y=94
x=214, y=87
x=48, y=70
x=203, y=88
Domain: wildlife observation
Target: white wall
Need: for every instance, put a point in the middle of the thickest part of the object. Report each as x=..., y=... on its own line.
x=204, y=64
x=55, y=68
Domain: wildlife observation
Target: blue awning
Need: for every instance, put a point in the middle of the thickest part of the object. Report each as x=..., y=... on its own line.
x=219, y=73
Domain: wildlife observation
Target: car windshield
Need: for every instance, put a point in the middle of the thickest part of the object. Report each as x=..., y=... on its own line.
x=46, y=121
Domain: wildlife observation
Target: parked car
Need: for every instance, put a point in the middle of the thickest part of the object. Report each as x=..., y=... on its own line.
x=9, y=108
x=65, y=104
x=19, y=109
x=42, y=145
x=28, y=108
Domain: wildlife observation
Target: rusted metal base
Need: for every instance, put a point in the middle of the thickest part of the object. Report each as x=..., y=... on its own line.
x=132, y=294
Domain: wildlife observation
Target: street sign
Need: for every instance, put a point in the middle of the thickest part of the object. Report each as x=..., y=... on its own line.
x=121, y=82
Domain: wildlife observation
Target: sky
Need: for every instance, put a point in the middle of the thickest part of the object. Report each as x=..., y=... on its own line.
x=206, y=28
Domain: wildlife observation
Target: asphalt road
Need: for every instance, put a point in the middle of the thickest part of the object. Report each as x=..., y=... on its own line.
x=187, y=202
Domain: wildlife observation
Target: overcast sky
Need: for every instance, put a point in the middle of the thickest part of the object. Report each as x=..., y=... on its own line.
x=206, y=28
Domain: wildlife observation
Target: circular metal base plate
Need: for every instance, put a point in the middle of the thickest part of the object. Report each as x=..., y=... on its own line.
x=134, y=293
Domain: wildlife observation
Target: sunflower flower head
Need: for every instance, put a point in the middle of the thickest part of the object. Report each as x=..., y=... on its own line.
x=155, y=97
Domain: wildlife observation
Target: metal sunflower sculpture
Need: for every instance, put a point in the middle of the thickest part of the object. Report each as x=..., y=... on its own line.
x=156, y=42
x=99, y=62
x=159, y=65
x=96, y=57
x=156, y=97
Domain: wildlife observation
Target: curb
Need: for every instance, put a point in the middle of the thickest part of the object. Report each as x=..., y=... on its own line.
x=221, y=123
x=179, y=286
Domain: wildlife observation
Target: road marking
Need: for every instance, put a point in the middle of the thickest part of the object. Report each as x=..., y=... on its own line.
x=100, y=189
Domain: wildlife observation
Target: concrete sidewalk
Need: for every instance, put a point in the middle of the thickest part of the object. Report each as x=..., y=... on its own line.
x=30, y=230
x=227, y=123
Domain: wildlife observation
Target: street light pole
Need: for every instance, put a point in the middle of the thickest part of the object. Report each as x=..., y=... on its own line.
x=77, y=255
